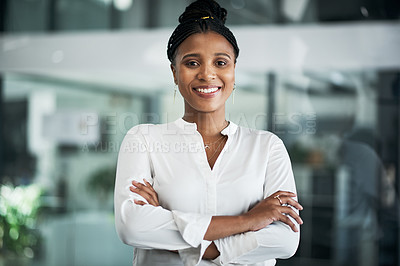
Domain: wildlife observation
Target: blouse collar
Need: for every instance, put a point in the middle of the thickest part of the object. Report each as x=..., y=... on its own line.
x=190, y=127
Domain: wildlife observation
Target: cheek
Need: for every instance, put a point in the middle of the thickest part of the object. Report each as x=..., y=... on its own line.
x=229, y=77
x=184, y=76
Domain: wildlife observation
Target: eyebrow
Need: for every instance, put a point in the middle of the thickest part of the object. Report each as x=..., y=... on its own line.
x=223, y=54
x=198, y=55
x=191, y=55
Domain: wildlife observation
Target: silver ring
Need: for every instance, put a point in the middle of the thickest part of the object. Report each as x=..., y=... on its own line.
x=278, y=198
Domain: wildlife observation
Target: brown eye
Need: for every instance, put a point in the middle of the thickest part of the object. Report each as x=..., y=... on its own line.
x=221, y=63
x=192, y=63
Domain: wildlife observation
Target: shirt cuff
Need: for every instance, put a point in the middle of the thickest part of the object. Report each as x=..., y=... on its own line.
x=192, y=226
x=244, y=243
x=193, y=256
x=217, y=260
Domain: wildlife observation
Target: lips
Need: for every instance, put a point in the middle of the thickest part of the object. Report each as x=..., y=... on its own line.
x=207, y=91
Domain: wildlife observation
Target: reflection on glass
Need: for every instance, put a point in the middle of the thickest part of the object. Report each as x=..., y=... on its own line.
x=60, y=136
x=335, y=124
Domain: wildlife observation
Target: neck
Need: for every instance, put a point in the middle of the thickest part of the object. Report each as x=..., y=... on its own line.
x=208, y=124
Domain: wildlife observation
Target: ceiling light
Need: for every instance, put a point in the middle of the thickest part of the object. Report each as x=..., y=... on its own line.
x=122, y=5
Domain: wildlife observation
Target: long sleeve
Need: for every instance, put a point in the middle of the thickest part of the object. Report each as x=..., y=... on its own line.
x=277, y=240
x=149, y=227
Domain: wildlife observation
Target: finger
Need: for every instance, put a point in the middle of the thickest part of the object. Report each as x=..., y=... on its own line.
x=148, y=185
x=153, y=192
x=139, y=202
x=292, y=202
x=282, y=193
x=280, y=202
x=292, y=213
x=142, y=193
x=146, y=192
x=134, y=190
x=137, y=191
x=145, y=188
x=145, y=183
x=137, y=184
x=283, y=218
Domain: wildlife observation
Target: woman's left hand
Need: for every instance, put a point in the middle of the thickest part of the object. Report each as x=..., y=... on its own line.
x=145, y=190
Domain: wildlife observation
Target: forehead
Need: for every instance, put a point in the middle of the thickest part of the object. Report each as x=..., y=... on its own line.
x=203, y=43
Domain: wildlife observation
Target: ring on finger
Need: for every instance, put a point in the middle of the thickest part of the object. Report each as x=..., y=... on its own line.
x=278, y=198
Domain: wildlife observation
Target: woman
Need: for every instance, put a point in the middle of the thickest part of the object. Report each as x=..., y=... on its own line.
x=202, y=190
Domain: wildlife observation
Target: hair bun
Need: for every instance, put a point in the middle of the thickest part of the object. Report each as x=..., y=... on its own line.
x=203, y=8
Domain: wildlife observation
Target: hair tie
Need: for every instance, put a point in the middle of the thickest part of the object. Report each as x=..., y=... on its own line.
x=207, y=17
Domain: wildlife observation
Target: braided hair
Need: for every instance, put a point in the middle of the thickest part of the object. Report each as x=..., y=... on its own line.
x=200, y=16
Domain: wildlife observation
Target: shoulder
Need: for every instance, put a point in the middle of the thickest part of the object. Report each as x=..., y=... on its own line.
x=140, y=136
x=261, y=141
x=259, y=135
x=151, y=130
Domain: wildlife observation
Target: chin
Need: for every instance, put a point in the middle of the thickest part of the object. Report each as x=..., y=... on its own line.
x=207, y=109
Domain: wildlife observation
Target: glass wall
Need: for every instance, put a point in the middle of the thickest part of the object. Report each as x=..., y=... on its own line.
x=76, y=75
x=88, y=15
x=344, y=161
x=70, y=136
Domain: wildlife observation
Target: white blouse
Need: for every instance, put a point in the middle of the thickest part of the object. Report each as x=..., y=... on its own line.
x=252, y=165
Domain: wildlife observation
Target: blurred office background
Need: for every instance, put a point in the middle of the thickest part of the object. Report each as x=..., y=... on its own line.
x=75, y=75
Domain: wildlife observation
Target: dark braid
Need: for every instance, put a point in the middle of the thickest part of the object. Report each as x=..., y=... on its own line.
x=200, y=16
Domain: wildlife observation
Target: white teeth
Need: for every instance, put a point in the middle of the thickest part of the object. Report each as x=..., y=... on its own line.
x=207, y=90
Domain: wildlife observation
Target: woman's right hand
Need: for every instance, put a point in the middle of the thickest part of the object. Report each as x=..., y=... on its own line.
x=276, y=207
x=145, y=190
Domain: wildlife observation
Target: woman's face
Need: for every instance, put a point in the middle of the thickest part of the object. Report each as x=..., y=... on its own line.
x=204, y=70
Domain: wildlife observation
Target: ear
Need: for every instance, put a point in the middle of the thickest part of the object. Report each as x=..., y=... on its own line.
x=173, y=69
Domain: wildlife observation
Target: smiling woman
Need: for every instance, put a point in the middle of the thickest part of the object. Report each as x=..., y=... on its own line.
x=204, y=71
x=225, y=194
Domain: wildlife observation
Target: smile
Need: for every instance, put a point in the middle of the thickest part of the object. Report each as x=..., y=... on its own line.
x=207, y=91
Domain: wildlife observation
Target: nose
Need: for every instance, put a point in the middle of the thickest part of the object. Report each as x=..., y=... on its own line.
x=206, y=72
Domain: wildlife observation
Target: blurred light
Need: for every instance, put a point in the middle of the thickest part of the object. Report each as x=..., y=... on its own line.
x=122, y=5
x=364, y=11
x=337, y=78
x=28, y=252
x=294, y=9
x=57, y=57
x=14, y=234
x=238, y=4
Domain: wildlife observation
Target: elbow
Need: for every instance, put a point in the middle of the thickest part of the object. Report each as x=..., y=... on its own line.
x=290, y=247
x=124, y=238
x=130, y=234
x=126, y=233
x=128, y=228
